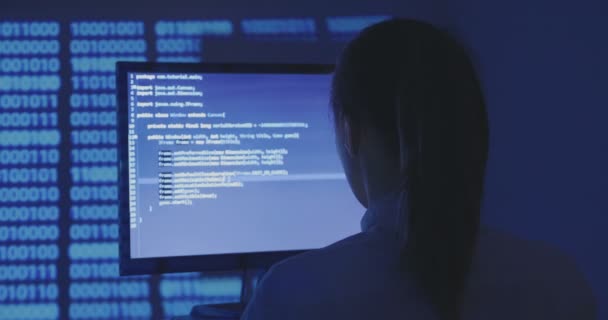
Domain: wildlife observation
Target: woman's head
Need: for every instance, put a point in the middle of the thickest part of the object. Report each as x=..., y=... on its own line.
x=409, y=115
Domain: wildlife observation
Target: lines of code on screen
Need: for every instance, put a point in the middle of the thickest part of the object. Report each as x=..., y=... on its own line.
x=213, y=155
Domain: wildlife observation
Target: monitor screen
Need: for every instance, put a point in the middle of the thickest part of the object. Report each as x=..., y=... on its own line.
x=229, y=162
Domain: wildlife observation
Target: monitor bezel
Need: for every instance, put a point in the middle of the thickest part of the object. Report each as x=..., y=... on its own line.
x=215, y=262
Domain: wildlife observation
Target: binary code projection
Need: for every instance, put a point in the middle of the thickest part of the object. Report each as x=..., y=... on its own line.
x=182, y=41
x=94, y=286
x=29, y=156
x=58, y=161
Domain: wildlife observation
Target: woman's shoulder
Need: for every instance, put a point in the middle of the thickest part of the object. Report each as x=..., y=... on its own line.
x=342, y=279
x=359, y=256
x=337, y=256
x=511, y=268
x=499, y=247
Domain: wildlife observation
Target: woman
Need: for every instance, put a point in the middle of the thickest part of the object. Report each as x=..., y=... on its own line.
x=412, y=134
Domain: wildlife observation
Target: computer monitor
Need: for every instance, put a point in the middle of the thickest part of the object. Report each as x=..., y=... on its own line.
x=227, y=166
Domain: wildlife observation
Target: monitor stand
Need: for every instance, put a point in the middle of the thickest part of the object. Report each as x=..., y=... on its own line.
x=227, y=310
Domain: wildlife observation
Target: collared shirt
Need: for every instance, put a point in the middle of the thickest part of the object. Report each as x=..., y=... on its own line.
x=361, y=277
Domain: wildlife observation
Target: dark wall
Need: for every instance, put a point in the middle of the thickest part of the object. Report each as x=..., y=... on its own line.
x=545, y=76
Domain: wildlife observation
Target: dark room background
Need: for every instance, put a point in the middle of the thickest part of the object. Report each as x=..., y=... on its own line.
x=544, y=73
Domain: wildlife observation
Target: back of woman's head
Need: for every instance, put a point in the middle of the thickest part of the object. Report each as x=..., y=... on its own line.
x=415, y=86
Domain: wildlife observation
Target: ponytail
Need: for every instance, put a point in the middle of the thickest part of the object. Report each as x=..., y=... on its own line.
x=442, y=226
x=441, y=134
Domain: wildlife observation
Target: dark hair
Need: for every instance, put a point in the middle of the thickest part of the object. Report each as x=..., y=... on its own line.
x=416, y=86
